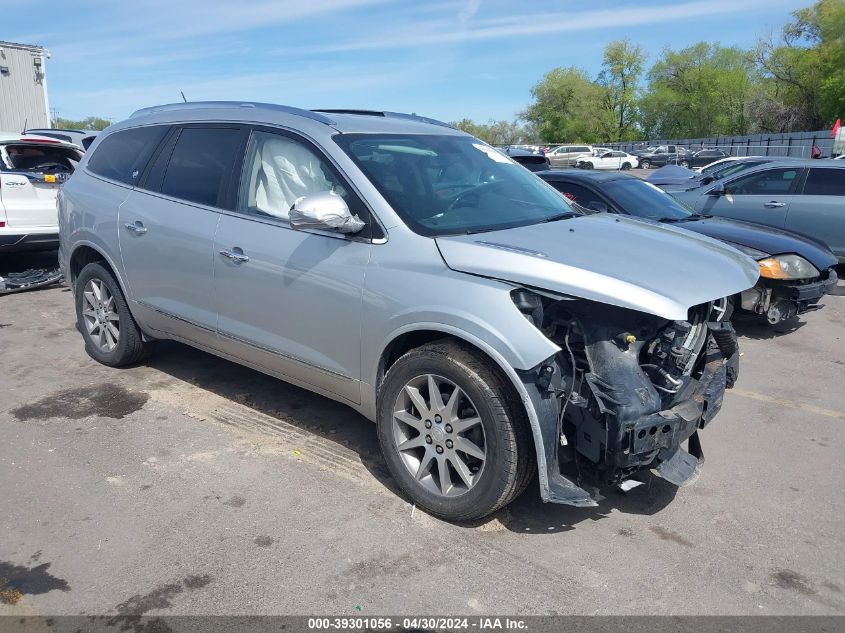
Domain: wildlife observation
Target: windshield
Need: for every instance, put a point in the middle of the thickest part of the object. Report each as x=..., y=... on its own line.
x=732, y=167
x=644, y=200
x=448, y=185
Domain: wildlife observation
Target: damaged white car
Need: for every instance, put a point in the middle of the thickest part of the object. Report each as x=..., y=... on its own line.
x=416, y=274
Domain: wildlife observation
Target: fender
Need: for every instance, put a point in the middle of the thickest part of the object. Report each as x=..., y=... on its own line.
x=527, y=401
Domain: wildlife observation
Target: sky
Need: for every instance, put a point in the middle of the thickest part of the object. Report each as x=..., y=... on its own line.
x=446, y=59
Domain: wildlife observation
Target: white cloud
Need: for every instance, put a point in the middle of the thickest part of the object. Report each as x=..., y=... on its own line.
x=526, y=24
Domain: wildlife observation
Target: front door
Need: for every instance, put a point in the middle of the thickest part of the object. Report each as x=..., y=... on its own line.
x=167, y=227
x=762, y=196
x=290, y=301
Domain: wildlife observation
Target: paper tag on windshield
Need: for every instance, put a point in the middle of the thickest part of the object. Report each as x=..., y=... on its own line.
x=491, y=153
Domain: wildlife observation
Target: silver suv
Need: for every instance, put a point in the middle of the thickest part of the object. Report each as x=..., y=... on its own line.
x=416, y=274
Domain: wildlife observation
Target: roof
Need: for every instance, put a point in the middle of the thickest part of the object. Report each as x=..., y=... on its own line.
x=344, y=121
x=29, y=47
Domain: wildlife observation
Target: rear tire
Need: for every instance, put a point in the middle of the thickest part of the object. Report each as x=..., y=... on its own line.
x=626, y=166
x=111, y=335
x=486, y=418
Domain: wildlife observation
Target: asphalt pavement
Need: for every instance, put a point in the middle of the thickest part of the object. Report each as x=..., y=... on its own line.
x=191, y=485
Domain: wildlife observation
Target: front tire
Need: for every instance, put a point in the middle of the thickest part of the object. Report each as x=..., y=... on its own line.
x=645, y=164
x=684, y=163
x=453, y=432
x=111, y=335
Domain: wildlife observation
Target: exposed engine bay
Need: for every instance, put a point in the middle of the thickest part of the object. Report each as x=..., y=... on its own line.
x=626, y=390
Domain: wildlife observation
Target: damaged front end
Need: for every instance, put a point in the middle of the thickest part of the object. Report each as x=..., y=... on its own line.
x=625, y=391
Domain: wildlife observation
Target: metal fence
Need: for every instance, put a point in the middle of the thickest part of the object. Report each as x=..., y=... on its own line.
x=794, y=144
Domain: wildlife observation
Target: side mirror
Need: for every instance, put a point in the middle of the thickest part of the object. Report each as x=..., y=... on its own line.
x=325, y=210
x=718, y=190
x=597, y=206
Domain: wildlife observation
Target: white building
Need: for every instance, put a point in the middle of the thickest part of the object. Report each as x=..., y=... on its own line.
x=23, y=87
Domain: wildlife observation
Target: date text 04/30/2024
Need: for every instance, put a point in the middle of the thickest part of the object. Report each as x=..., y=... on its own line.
x=408, y=623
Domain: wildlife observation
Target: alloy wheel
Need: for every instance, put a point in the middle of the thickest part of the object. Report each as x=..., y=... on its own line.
x=100, y=316
x=439, y=435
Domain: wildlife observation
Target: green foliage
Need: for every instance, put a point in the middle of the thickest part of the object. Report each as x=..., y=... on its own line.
x=88, y=123
x=496, y=132
x=797, y=83
x=569, y=106
x=697, y=92
x=804, y=71
x=620, y=75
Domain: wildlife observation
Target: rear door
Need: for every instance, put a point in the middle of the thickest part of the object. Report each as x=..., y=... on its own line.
x=820, y=209
x=167, y=226
x=29, y=181
x=762, y=196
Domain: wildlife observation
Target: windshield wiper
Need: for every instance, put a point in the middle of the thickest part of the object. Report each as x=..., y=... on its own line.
x=560, y=216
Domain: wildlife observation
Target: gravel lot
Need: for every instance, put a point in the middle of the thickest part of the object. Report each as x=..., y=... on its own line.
x=190, y=485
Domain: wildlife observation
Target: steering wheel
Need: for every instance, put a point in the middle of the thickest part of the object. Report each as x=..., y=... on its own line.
x=51, y=167
x=475, y=191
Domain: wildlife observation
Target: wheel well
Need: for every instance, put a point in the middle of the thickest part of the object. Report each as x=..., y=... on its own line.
x=83, y=256
x=406, y=342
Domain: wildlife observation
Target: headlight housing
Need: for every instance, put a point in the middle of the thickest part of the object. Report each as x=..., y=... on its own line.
x=787, y=267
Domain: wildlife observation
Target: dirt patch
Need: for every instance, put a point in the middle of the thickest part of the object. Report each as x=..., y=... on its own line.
x=129, y=613
x=18, y=580
x=264, y=541
x=668, y=535
x=107, y=401
x=235, y=502
x=792, y=581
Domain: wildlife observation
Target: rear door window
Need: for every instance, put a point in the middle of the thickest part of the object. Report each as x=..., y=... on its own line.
x=122, y=155
x=201, y=164
x=41, y=158
x=825, y=182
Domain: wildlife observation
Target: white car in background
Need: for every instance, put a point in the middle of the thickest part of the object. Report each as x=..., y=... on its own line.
x=32, y=168
x=608, y=159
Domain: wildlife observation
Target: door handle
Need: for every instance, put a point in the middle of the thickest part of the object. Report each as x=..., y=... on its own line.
x=235, y=256
x=136, y=227
x=774, y=204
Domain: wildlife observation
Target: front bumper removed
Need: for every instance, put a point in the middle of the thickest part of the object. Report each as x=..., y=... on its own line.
x=779, y=301
x=616, y=445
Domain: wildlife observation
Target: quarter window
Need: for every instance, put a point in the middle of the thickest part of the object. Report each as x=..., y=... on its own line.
x=772, y=181
x=121, y=156
x=825, y=182
x=201, y=164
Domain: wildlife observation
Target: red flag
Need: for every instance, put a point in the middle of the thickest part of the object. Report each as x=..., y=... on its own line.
x=836, y=127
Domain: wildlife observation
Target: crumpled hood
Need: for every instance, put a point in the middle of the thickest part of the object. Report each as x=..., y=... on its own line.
x=610, y=259
x=768, y=239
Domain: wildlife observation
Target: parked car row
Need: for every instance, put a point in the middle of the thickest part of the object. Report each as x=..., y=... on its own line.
x=487, y=324
x=795, y=270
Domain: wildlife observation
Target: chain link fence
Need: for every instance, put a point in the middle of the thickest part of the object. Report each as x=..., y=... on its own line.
x=792, y=144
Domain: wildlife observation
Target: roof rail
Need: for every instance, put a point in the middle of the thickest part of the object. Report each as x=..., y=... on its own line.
x=199, y=105
x=383, y=113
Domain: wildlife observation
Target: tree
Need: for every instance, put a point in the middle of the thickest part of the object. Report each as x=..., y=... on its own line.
x=568, y=106
x=620, y=75
x=805, y=69
x=88, y=123
x=496, y=132
x=699, y=91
